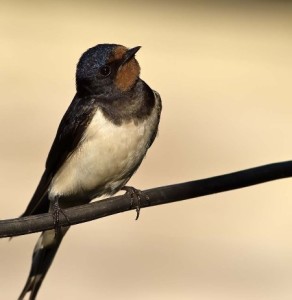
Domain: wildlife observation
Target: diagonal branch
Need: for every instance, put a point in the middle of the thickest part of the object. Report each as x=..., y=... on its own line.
x=157, y=196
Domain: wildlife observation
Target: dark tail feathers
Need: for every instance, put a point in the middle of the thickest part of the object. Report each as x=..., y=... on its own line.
x=43, y=255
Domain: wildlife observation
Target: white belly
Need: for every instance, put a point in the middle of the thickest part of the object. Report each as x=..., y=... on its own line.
x=105, y=159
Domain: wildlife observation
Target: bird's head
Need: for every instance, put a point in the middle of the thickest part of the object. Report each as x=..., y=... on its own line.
x=106, y=68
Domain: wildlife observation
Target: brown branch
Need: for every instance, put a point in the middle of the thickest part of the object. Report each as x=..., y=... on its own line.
x=157, y=196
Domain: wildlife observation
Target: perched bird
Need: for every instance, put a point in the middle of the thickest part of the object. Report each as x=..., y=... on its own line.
x=101, y=141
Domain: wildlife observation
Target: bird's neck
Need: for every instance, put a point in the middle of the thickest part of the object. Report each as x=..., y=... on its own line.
x=134, y=105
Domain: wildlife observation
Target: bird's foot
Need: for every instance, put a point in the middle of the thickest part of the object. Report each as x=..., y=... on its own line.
x=135, y=197
x=56, y=217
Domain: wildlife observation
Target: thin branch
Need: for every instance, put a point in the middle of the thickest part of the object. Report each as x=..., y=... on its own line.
x=157, y=196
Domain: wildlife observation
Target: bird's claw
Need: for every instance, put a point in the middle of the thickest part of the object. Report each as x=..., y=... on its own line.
x=135, y=197
x=56, y=217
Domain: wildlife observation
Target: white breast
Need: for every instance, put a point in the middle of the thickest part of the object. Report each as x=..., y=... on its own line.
x=105, y=159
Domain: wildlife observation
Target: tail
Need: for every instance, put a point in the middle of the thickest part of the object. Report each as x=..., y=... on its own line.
x=43, y=255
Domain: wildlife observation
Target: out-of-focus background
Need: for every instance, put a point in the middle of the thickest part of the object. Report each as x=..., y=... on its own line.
x=224, y=72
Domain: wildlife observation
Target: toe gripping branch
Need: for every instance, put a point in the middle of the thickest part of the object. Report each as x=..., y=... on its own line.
x=135, y=196
x=56, y=210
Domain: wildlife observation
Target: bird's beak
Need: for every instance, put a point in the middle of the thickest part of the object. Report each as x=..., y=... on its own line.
x=130, y=54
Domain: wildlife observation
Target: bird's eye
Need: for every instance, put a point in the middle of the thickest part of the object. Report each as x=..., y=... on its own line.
x=105, y=71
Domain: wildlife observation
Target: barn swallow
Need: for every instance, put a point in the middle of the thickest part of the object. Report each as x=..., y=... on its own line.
x=101, y=141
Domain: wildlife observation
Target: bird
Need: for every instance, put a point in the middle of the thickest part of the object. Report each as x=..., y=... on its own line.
x=101, y=141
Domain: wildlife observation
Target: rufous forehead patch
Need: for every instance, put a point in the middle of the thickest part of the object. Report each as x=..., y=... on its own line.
x=128, y=73
x=118, y=53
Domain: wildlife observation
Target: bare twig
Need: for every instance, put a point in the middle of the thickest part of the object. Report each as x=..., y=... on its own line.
x=156, y=196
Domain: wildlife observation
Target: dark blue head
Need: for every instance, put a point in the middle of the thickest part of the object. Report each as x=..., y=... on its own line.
x=105, y=68
x=93, y=59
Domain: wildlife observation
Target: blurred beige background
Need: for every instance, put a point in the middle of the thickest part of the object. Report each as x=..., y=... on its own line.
x=224, y=73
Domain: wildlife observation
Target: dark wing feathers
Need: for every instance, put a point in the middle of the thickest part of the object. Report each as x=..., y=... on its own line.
x=69, y=133
x=158, y=100
x=39, y=202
